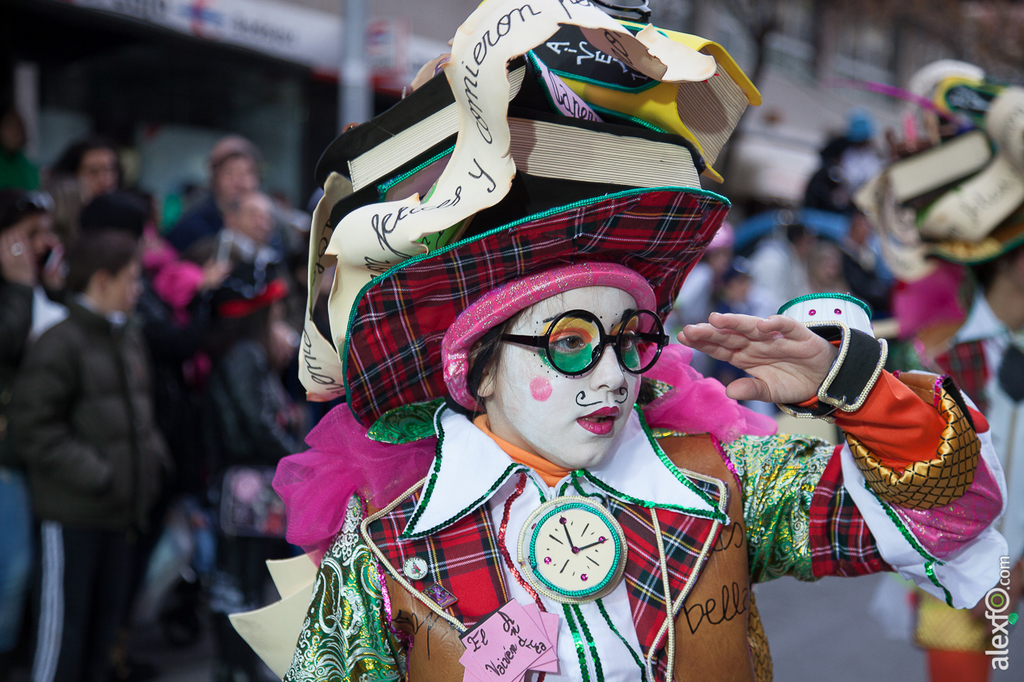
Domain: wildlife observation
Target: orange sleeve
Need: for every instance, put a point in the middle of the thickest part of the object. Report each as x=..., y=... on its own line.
x=895, y=424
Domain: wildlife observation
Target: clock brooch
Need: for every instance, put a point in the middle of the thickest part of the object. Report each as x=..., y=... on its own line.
x=572, y=550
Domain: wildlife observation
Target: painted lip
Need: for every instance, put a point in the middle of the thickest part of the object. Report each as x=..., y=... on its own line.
x=603, y=412
x=599, y=422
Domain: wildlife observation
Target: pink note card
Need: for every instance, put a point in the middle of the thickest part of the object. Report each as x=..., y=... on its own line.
x=510, y=642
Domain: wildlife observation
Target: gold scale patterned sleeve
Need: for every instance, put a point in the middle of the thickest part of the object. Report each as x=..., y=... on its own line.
x=778, y=475
x=344, y=638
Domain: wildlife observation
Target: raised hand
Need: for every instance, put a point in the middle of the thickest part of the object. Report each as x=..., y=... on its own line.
x=17, y=259
x=786, y=361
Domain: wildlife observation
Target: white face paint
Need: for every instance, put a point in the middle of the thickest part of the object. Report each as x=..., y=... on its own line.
x=570, y=421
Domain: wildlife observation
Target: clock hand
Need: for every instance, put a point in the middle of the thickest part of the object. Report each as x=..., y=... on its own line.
x=600, y=541
x=566, y=529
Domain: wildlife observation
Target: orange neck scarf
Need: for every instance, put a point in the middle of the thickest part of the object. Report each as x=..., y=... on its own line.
x=549, y=472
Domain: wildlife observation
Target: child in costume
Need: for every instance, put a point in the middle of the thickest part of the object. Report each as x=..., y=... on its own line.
x=520, y=435
x=971, y=225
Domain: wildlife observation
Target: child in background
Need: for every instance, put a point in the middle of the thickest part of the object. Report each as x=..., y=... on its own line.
x=83, y=421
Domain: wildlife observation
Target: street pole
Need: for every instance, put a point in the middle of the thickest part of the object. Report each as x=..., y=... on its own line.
x=355, y=96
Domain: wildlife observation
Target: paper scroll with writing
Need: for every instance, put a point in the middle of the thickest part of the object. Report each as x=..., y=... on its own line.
x=972, y=210
x=320, y=369
x=371, y=239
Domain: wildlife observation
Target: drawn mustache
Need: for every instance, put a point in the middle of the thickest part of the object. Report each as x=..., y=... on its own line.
x=582, y=395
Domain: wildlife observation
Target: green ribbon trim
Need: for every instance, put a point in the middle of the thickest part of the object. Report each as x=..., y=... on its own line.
x=511, y=469
x=816, y=297
x=715, y=515
x=930, y=570
x=611, y=626
x=580, y=651
x=435, y=469
x=605, y=111
x=382, y=189
x=718, y=514
x=579, y=489
x=907, y=535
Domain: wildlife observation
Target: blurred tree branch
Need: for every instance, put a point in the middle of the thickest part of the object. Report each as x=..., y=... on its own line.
x=987, y=32
x=999, y=26
x=760, y=18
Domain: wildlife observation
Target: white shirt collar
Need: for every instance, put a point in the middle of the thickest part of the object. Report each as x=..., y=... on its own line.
x=116, y=318
x=981, y=323
x=470, y=468
x=45, y=313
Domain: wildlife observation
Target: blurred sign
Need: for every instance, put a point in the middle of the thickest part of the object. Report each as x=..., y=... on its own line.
x=387, y=50
x=286, y=31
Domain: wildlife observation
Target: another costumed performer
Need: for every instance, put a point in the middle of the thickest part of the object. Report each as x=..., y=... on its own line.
x=528, y=480
x=951, y=221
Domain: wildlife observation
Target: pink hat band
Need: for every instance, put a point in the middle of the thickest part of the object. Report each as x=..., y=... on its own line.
x=497, y=306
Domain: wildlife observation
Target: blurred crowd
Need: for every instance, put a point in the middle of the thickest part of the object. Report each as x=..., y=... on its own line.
x=751, y=271
x=147, y=390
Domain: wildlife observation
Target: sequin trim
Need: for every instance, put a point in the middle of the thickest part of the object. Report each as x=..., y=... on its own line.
x=520, y=487
x=580, y=650
x=647, y=504
x=404, y=638
x=930, y=570
x=432, y=480
x=590, y=643
x=675, y=471
x=813, y=297
x=680, y=476
x=907, y=535
x=728, y=462
x=539, y=516
x=385, y=596
x=937, y=391
x=435, y=469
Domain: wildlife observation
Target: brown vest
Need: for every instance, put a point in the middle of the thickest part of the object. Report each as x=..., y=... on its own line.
x=718, y=632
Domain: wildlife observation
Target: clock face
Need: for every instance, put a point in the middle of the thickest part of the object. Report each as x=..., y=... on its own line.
x=572, y=550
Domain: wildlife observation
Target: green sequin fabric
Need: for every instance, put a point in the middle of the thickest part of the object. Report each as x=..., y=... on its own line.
x=405, y=424
x=778, y=474
x=343, y=638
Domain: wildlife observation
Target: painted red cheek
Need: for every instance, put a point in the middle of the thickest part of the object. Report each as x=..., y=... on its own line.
x=540, y=388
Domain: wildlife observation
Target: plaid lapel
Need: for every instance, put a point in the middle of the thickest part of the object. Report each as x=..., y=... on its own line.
x=462, y=558
x=684, y=536
x=965, y=362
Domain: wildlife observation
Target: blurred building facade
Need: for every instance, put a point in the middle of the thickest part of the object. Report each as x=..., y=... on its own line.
x=165, y=78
